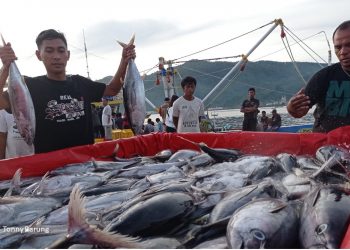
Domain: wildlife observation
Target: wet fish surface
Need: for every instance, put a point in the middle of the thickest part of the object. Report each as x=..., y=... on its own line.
x=22, y=106
x=183, y=199
x=134, y=95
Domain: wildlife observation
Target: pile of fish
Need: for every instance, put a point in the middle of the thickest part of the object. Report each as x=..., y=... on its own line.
x=210, y=198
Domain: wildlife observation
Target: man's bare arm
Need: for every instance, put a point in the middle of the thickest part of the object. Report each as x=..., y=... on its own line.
x=176, y=121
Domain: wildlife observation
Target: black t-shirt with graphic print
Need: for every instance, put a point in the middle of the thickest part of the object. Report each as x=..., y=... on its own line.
x=329, y=89
x=63, y=111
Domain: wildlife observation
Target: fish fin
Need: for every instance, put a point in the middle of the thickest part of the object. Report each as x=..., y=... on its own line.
x=3, y=40
x=15, y=183
x=122, y=44
x=278, y=207
x=115, y=150
x=130, y=42
x=316, y=195
x=247, y=191
x=78, y=226
x=40, y=188
x=38, y=222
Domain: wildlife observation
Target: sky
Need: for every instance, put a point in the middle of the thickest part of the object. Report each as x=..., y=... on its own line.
x=168, y=29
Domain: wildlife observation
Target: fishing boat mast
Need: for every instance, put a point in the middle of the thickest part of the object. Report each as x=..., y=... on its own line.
x=167, y=76
x=86, y=57
x=244, y=58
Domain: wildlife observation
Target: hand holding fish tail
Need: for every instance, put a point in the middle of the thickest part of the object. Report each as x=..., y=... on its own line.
x=7, y=54
x=116, y=83
x=128, y=52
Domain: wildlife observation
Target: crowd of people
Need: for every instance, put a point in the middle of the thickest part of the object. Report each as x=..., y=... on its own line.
x=104, y=120
x=59, y=126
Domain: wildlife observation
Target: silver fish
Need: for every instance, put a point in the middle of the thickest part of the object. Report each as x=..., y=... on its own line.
x=19, y=211
x=324, y=217
x=21, y=103
x=263, y=223
x=134, y=95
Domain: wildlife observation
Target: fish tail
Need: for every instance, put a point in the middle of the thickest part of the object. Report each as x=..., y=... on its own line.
x=122, y=44
x=132, y=40
x=3, y=40
x=15, y=183
x=77, y=224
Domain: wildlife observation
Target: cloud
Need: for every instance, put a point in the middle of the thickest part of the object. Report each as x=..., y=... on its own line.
x=102, y=37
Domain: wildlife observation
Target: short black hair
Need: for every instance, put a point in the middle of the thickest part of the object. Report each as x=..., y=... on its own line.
x=188, y=79
x=50, y=34
x=343, y=26
x=251, y=89
x=166, y=99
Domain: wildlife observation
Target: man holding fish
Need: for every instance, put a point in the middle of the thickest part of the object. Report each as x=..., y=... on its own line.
x=61, y=102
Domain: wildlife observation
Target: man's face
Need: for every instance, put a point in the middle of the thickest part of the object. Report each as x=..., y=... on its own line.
x=341, y=42
x=189, y=89
x=54, y=54
x=251, y=94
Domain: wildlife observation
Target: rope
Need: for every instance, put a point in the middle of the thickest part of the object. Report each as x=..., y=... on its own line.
x=284, y=48
x=290, y=32
x=290, y=54
x=229, y=40
x=225, y=87
x=209, y=59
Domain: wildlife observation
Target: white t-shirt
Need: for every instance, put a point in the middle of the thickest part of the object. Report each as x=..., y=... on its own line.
x=15, y=144
x=188, y=113
x=107, y=112
x=169, y=118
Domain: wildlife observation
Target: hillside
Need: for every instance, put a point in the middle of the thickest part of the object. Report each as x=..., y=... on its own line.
x=272, y=80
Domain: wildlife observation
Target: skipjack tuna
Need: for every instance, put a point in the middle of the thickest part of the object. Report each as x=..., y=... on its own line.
x=134, y=95
x=22, y=106
x=213, y=198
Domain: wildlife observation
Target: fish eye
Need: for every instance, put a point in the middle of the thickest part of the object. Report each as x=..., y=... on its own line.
x=258, y=234
x=321, y=229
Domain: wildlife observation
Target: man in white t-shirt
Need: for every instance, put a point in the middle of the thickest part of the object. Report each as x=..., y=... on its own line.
x=188, y=109
x=12, y=143
x=107, y=119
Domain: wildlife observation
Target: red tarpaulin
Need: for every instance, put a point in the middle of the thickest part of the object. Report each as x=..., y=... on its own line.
x=264, y=143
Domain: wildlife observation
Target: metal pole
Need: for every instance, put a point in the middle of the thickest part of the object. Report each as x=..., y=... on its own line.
x=277, y=22
x=150, y=103
x=86, y=57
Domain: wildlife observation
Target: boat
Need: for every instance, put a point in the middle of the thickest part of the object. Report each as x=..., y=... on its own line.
x=296, y=128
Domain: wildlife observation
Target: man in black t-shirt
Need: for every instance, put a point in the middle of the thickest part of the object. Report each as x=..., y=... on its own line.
x=328, y=89
x=61, y=102
x=250, y=109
